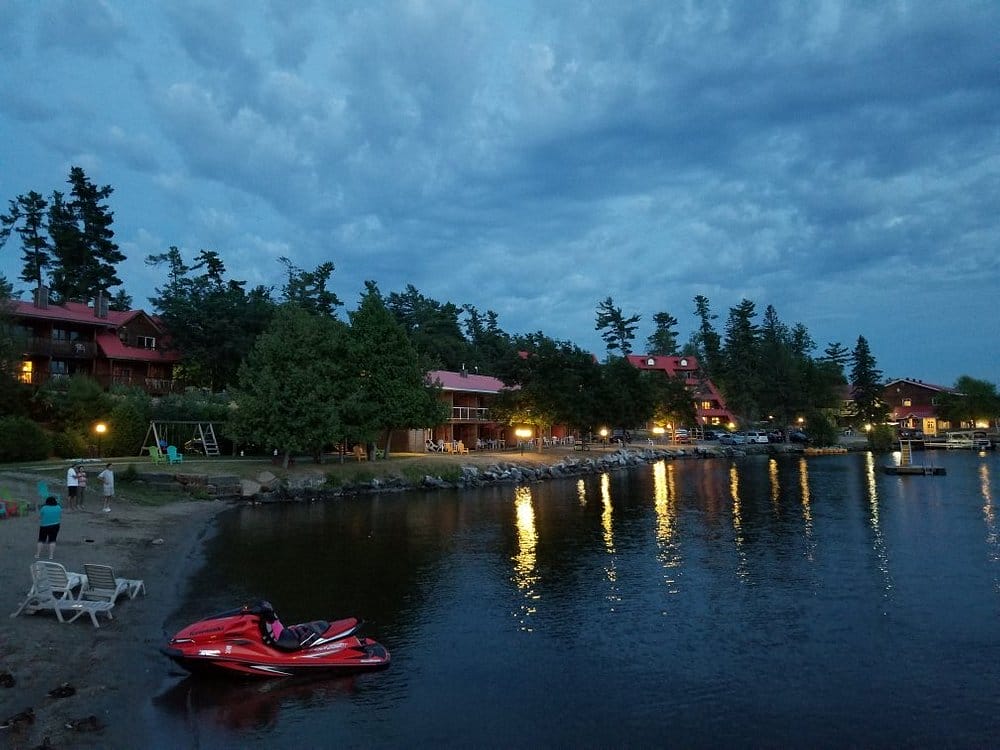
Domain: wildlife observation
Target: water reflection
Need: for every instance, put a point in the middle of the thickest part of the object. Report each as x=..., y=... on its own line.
x=734, y=493
x=878, y=542
x=665, y=503
x=990, y=517
x=772, y=475
x=581, y=492
x=525, y=573
x=610, y=570
x=806, y=507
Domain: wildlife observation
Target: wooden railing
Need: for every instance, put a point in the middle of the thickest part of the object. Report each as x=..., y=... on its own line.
x=470, y=414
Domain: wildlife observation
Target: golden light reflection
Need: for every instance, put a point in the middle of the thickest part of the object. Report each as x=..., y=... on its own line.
x=989, y=515
x=581, y=491
x=878, y=542
x=806, y=506
x=609, y=537
x=610, y=571
x=665, y=494
x=734, y=491
x=525, y=573
x=772, y=474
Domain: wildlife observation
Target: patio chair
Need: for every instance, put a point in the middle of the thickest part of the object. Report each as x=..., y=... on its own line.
x=360, y=453
x=45, y=595
x=104, y=585
x=173, y=456
x=156, y=454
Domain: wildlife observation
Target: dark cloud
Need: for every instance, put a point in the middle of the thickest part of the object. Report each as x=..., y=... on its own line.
x=831, y=159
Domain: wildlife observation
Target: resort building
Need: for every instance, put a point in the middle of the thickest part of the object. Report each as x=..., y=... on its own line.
x=468, y=397
x=710, y=408
x=112, y=347
x=912, y=404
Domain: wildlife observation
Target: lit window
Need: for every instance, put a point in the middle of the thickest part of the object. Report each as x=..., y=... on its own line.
x=26, y=370
x=907, y=402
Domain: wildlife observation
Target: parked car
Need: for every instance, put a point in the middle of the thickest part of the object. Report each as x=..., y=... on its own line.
x=727, y=438
x=798, y=436
x=756, y=436
x=681, y=435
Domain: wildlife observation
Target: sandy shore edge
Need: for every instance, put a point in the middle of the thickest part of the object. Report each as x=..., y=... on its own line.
x=113, y=669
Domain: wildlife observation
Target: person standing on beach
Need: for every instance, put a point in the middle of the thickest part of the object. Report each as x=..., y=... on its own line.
x=49, y=518
x=107, y=478
x=72, y=485
x=81, y=489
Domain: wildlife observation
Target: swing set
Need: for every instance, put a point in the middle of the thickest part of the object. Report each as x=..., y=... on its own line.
x=191, y=437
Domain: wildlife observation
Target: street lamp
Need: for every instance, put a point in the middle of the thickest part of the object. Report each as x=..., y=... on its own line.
x=523, y=434
x=604, y=435
x=658, y=431
x=100, y=428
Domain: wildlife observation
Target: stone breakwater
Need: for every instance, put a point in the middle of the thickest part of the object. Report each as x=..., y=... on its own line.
x=502, y=472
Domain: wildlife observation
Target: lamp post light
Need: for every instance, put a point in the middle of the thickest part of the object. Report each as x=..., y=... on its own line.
x=100, y=428
x=658, y=431
x=604, y=435
x=523, y=434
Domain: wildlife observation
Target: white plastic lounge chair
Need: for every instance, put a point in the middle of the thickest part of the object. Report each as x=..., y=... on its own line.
x=44, y=596
x=65, y=584
x=104, y=585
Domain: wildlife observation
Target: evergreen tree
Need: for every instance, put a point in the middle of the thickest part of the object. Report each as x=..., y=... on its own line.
x=866, y=383
x=389, y=390
x=29, y=211
x=84, y=253
x=616, y=330
x=307, y=289
x=741, y=355
x=290, y=392
x=707, y=340
x=663, y=340
x=433, y=328
x=212, y=321
x=489, y=345
x=838, y=355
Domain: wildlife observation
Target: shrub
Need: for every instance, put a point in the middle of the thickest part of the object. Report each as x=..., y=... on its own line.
x=70, y=443
x=23, y=440
x=882, y=438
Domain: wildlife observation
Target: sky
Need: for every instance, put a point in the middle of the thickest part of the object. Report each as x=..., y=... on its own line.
x=837, y=160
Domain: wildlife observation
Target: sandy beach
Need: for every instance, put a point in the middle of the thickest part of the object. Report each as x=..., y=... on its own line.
x=110, y=668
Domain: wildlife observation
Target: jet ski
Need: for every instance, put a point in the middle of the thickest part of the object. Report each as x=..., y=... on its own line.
x=251, y=640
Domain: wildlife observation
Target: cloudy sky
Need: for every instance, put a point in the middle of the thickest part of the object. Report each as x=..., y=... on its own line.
x=838, y=160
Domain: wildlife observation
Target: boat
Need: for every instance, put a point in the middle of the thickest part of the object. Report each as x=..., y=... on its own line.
x=906, y=467
x=975, y=440
x=251, y=641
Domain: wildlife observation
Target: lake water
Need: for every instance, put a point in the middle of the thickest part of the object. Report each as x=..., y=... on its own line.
x=790, y=602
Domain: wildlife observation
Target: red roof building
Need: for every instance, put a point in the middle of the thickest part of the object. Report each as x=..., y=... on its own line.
x=110, y=346
x=913, y=404
x=709, y=406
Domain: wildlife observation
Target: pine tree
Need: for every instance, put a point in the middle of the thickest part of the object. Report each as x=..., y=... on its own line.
x=663, y=340
x=616, y=330
x=866, y=383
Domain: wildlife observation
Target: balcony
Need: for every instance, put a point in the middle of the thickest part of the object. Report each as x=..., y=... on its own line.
x=58, y=348
x=470, y=414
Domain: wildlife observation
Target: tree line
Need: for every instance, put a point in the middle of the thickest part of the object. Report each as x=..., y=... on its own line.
x=299, y=372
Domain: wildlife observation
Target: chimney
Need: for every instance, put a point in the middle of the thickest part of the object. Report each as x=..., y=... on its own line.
x=101, y=305
x=41, y=296
x=463, y=373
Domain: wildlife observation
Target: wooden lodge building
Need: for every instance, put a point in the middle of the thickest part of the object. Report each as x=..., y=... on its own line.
x=112, y=347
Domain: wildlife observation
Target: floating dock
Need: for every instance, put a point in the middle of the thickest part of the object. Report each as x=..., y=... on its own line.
x=906, y=466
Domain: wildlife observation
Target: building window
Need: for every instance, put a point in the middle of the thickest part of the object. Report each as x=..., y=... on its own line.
x=27, y=367
x=907, y=402
x=706, y=405
x=58, y=368
x=684, y=363
x=146, y=342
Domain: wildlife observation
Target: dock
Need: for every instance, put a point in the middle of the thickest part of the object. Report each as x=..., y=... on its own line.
x=906, y=467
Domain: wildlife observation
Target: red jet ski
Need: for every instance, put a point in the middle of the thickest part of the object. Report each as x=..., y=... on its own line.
x=251, y=640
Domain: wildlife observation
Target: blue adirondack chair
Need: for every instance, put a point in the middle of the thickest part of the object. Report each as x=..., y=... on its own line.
x=173, y=456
